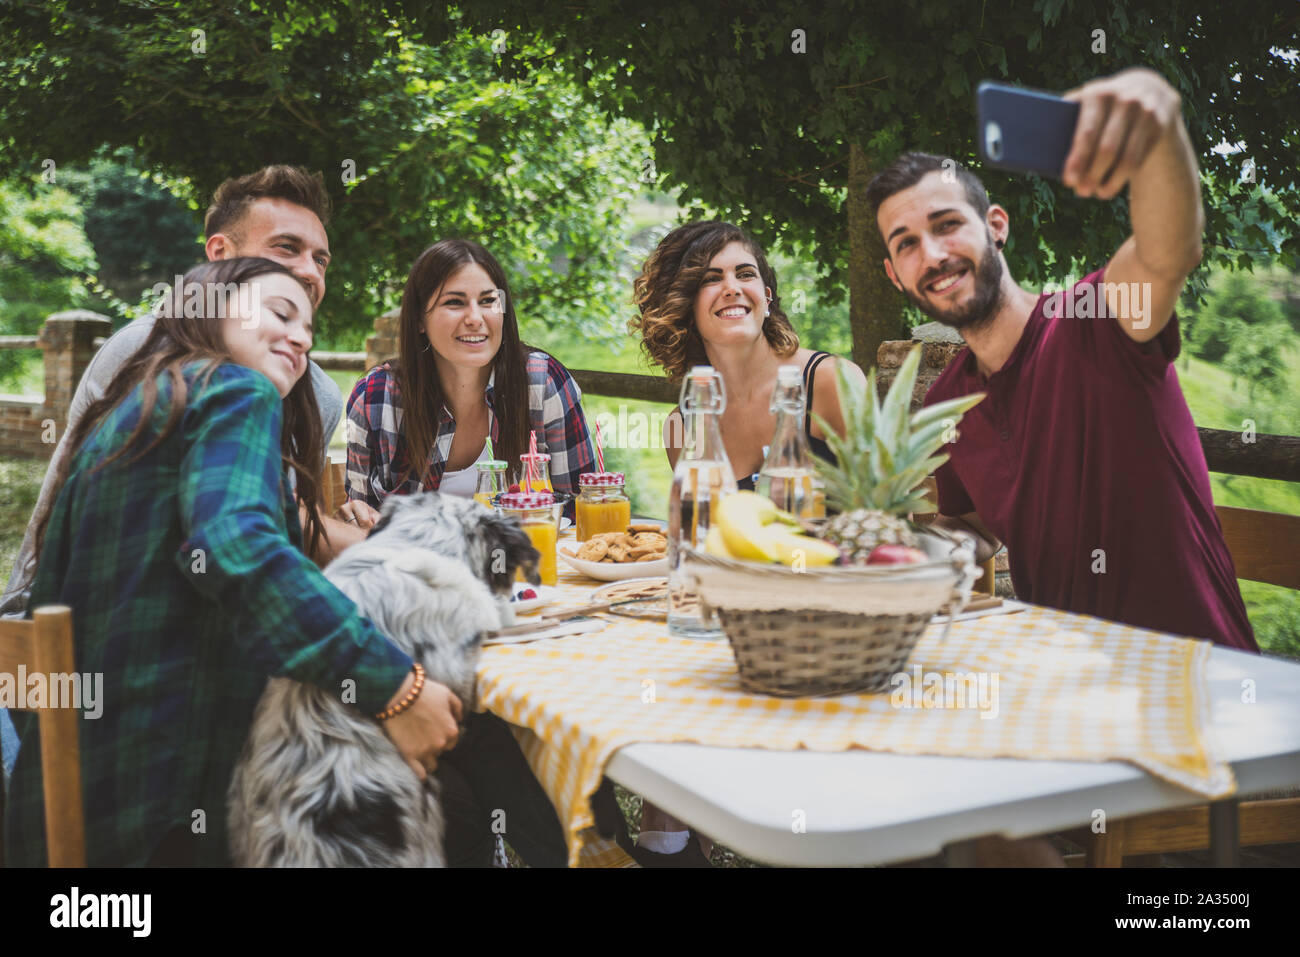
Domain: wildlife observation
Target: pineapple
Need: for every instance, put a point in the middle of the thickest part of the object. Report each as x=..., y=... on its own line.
x=884, y=456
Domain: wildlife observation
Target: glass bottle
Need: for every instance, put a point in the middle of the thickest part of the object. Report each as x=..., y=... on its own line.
x=491, y=480
x=787, y=476
x=702, y=476
x=541, y=472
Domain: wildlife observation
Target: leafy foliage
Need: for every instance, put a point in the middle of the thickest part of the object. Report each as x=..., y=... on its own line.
x=746, y=124
x=1245, y=328
x=886, y=452
x=140, y=231
x=417, y=142
x=43, y=255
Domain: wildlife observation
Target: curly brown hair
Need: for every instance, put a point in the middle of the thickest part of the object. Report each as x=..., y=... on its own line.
x=665, y=293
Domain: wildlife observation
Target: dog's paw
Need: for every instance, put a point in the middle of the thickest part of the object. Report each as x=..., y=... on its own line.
x=506, y=611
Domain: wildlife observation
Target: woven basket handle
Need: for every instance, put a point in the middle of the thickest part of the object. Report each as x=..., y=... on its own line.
x=962, y=556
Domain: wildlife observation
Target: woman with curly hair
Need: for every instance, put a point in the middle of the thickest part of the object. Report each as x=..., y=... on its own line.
x=707, y=296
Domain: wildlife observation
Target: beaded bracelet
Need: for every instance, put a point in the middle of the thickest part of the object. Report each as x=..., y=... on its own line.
x=410, y=695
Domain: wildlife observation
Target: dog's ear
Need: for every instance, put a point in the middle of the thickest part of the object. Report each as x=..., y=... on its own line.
x=508, y=549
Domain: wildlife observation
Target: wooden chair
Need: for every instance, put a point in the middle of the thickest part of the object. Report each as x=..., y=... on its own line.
x=44, y=645
x=1265, y=547
x=333, y=490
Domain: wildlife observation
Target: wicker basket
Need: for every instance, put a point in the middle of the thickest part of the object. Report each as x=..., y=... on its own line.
x=830, y=630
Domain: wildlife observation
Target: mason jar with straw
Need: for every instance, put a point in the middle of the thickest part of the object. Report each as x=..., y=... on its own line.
x=491, y=478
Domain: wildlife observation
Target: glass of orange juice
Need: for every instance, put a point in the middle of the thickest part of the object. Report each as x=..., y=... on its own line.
x=491, y=480
x=602, y=504
x=536, y=514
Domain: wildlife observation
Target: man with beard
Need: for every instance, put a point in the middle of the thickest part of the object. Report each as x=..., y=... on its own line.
x=1083, y=459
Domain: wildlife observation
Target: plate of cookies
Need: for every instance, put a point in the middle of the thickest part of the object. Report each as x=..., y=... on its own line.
x=639, y=552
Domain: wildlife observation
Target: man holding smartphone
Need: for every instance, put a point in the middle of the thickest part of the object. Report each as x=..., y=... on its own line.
x=1084, y=458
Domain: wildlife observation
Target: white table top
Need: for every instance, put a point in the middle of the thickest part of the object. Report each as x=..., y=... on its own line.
x=860, y=807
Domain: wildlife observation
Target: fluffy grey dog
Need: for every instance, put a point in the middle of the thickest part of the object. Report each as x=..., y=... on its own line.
x=319, y=784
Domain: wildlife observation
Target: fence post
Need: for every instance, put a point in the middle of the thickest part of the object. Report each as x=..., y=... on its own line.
x=68, y=341
x=383, y=344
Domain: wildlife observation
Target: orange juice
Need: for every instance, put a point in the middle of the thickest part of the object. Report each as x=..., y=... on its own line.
x=535, y=512
x=491, y=480
x=602, y=505
x=541, y=472
x=541, y=484
x=543, y=536
x=595, y=518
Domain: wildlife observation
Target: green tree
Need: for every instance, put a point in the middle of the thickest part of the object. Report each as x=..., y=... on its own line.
x=141, y=232
x=417, y=141
x=777, y=112
x=44, y=257
x=1244, y=328
x=1236, y=307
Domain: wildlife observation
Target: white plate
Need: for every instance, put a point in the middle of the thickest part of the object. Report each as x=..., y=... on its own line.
x=545, y=595
x=615, y=571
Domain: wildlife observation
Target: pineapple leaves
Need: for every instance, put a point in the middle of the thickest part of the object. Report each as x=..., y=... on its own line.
x=886, y=452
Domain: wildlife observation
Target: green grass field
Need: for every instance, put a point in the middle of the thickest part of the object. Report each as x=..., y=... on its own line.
x=1218, y=402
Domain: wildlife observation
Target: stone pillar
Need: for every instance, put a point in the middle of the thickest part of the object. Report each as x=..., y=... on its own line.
x=30, y=426
x=68, y=340
x=939, y=344
x=383, y=344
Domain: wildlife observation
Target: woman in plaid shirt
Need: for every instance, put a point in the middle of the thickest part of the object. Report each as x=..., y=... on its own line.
x=175, y=538
x=461, y=356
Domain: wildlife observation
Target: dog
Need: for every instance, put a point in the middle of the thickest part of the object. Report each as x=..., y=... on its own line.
x=319, y=784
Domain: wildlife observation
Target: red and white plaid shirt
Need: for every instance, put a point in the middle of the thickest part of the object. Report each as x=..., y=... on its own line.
x=377, y=463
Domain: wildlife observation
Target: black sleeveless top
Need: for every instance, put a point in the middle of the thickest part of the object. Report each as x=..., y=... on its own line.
x=818, y=446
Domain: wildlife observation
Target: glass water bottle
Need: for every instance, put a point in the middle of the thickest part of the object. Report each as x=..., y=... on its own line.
x=787, y=476
x=703, y=475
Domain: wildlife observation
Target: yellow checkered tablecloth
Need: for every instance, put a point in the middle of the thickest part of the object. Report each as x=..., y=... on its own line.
x=1038, y=684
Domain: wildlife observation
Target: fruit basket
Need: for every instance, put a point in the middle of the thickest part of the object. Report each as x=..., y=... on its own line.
x=835, y=629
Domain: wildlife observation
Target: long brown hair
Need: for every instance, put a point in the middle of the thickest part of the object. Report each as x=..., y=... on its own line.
x=176, y=340
x=665, y=292
x=417, y=372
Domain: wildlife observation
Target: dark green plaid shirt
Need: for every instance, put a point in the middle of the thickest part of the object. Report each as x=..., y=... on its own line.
x=188, y=588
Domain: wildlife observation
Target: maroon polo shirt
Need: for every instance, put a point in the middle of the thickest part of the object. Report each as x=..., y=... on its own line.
x=1083, y=459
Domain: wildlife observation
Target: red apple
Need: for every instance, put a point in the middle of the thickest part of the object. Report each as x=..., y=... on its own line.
x=896, y=555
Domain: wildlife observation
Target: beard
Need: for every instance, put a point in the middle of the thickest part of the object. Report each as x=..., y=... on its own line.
x=984, y=302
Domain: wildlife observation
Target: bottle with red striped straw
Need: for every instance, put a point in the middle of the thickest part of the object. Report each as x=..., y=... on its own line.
x=535, y=468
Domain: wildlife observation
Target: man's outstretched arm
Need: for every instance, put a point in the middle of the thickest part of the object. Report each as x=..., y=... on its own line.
x=1130, y=131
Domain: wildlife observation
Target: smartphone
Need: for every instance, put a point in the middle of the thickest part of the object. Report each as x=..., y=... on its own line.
x=1024, y=130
